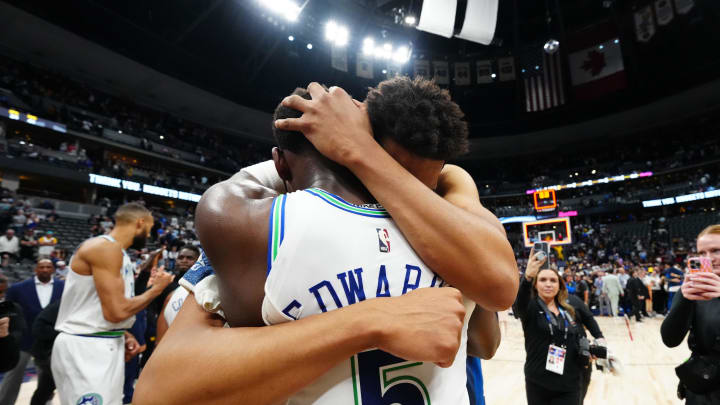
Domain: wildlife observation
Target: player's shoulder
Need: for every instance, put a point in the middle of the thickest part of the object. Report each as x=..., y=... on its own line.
x=99, y=247
x=233, y=193
x=228, y=212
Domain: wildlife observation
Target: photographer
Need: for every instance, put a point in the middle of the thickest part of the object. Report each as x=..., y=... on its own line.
x=12, y=326
x=584, y=317
x=696, y=309
x=553, y=366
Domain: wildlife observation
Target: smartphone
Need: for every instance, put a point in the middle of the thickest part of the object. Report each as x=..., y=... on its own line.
x=699, y=264
x=545, y=248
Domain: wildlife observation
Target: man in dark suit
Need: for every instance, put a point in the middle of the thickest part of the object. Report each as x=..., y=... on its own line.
x=32, y=295
x=638, y=293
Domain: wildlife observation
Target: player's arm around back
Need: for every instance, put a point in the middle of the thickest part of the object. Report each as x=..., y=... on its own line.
x=451, y=231
x=104, y=261
x=200, y=362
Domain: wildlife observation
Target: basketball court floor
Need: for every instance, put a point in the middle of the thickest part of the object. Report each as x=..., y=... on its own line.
x=648, y=375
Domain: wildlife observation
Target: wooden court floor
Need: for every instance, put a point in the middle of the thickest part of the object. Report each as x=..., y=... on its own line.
x=648, y=376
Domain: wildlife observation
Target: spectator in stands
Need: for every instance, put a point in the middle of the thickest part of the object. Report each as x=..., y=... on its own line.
x=674, y=277
x=582, y=290
x=44, y=334
x=612, y=288
x=170, y=257
x=32, y=221
x=9, y=247
x=32, y=295
x=570, y=282
x=61, y=269
x=28, y=245
x=649, y=283
x=602, y=298
x=19, y=220
x=52, y=216
x=12, y=327
x=638, y=293
x=660, y=291
x=106, y=224
x=696, y=309
x=168, y=304
x=622, y=276
x=47, y=244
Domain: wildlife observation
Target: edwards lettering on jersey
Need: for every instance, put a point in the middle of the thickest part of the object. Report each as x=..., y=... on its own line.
x=324, y=254
x=352, y=287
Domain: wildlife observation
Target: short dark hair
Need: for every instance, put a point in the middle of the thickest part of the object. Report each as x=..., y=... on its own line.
x=293, y=141
x=192, y=248
x=130, y=212
x=418, y=115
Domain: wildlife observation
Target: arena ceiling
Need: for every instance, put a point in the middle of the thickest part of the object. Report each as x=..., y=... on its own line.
x=240, y=51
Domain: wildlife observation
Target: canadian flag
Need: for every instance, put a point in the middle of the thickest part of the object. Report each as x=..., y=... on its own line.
x=597, y=70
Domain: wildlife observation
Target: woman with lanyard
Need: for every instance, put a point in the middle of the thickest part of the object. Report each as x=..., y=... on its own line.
x=552, y=365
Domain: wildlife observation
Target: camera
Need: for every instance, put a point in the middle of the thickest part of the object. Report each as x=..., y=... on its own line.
x=585, y=350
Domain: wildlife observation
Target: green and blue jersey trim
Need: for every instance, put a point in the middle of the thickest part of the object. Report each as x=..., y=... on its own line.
x=338, y=202
x=108, y=334
x=276, y=229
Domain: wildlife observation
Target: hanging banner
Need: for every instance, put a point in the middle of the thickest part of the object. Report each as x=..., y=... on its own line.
x=441, y=74
x=484, y=71
x=462, y=73
x=422, y=68
x=684, y=6
x=364, y=66
x=664, y=12
x=338, y=58
x=506, y=66
x=644, y=24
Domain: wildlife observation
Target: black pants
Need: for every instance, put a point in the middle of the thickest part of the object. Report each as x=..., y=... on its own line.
x=539, y=395
x=638, y=307
x=660, y=301
x=45, y=384
x=585, y=382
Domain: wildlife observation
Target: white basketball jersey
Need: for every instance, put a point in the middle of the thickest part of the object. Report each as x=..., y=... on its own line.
x=325, y=253
x=173, y=306
x=80, y=310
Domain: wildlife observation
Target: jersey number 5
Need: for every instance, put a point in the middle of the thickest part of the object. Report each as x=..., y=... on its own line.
x=379, y=378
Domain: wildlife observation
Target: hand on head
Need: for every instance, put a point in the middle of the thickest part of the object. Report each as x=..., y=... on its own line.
x=337, y=125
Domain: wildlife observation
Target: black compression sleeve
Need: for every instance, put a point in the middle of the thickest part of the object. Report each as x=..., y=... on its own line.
x=677, y=323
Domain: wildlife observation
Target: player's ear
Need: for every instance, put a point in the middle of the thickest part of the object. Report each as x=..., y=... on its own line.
x=281, y=164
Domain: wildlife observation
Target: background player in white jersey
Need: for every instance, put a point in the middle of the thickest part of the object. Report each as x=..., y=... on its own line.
x=327, y=337
x=97, y=308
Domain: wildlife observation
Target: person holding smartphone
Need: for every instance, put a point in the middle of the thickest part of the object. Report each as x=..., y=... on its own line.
x=696, y=309
x=553, y=368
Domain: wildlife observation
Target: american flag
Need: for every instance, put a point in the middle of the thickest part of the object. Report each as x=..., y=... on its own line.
x=543, y=80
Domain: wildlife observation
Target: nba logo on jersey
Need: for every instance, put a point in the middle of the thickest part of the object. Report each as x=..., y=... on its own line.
x=383, y=240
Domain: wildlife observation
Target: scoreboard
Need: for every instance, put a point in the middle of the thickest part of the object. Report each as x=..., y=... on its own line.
x=545, y=200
